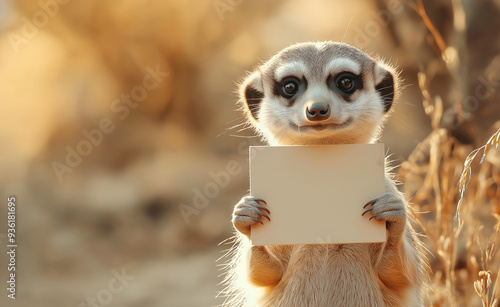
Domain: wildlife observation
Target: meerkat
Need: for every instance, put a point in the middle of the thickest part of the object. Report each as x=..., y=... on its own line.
x=324, y=93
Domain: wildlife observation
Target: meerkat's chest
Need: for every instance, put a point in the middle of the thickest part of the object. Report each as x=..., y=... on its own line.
x=329, y=275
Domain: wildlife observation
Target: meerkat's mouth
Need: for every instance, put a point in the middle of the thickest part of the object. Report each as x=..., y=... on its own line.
x=321, y=127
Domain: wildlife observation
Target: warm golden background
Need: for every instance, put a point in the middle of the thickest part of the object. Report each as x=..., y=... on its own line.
x=118, y=208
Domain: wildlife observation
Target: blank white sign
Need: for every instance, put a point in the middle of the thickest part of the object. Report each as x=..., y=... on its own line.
x=316, y=194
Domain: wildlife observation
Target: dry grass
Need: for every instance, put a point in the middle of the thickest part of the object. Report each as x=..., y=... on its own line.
x=458, y=212
x=456, y=208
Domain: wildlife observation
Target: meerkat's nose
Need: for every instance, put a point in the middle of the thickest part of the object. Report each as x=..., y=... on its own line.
x=318, y=111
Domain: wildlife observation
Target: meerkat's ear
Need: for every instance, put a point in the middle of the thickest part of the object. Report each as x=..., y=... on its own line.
x=385, y=84
x=251, y=93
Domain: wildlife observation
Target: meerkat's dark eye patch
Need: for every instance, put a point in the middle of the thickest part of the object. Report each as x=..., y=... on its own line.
x=289, y=87
x=346, y=83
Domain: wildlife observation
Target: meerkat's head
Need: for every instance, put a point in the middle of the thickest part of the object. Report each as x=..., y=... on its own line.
x=319, y=93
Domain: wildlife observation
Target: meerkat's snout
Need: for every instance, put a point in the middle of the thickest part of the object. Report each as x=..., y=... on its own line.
x=318, y=111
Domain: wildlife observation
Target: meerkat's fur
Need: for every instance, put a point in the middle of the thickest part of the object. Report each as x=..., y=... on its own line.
x=324, y=93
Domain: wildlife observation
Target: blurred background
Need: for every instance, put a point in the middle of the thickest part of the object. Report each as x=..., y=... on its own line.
x=117, y=115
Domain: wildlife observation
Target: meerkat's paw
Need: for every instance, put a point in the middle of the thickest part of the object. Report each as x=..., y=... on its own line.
x=390, y=208
x=247, y=212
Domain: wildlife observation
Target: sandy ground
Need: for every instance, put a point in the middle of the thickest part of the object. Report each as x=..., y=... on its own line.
x=181, y=282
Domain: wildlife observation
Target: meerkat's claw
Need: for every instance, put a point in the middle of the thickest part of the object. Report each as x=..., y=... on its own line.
x=262, y=208
x=257, y=220
x=264, y=215
x=370, y=203
x=257, y=199
x=367, y=210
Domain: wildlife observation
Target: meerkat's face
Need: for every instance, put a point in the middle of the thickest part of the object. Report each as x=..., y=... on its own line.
x=319, y=93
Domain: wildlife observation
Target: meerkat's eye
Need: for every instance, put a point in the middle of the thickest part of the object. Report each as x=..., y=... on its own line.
x=346, y=82
x=290, y=87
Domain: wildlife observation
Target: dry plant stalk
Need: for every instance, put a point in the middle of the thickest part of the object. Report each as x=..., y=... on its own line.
x=483, y=284
x=466, y=173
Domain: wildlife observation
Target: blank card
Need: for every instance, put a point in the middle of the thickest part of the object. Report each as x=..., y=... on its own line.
x=316, y=194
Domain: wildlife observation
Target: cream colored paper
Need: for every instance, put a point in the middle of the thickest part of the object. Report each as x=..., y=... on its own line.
x=316, y=194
